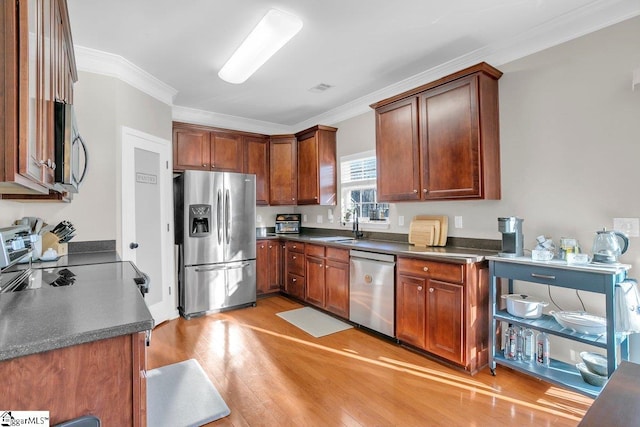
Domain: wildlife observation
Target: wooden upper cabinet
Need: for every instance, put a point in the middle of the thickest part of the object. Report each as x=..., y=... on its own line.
x=397, y=151
x=256, y=161
x=39, y=67
x=317, y=166
x=191, y=149
x=197, y=147
x=448, y=132
x=282, y=170
x=226, y=152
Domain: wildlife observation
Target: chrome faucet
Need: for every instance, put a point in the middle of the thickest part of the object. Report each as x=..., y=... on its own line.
x=356, y=229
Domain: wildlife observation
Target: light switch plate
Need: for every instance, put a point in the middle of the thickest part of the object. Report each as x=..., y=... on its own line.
x=458, y=221
x=629, y=226
x=401, y=220
x=304, y=218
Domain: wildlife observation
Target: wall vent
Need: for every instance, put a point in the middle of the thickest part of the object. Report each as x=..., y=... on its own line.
x=320, y=88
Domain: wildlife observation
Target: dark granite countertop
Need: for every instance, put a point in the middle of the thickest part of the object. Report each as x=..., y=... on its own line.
x=450, y=253
x=104, y=302
x=72, y=259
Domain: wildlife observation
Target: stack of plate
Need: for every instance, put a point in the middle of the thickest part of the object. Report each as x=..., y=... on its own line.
x=429, y=230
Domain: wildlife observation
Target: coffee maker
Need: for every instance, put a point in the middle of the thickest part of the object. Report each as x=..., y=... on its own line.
x=512, y=238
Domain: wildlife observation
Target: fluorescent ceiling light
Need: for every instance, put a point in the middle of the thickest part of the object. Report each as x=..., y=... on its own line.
x=274, y=30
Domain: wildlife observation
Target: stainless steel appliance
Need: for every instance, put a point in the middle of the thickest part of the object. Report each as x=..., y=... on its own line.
x=372, y=291
x=16, y=243
x=288, y=223
x=512, y=238
x=215, y=231
x=68, y=143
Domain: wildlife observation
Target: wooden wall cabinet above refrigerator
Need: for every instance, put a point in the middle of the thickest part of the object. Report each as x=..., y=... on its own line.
x=317, y=166
x=441, y=141
x=202, y=148
x=34, y=74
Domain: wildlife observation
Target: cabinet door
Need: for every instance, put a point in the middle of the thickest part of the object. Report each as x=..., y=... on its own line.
x=256, y=161
x=315, y=281
x=226, y=152
x=262, y=267
x=275, y=266
x=337, y=288
x=444, y=320
x=282, y=171
x=397, y=151
x=450, y=143
x=191, y=149
x=411, y=310
x=294, y=285
x=308, y=186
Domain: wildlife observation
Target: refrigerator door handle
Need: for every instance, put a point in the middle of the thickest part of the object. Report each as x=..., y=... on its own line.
x=219, y=217
x=227, y=215
x=222, y=267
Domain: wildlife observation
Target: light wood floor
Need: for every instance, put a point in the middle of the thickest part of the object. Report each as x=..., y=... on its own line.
x=272, y=374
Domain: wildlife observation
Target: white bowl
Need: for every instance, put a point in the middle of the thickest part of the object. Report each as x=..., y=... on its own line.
x=524, y=306
x=596, y=363
x=581, y=321
x=591, y=378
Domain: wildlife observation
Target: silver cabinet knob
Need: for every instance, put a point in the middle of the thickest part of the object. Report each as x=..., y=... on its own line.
x=415, y=191
x=431, y=289
x=424, y=190
x=425, y=268
x=419, y=288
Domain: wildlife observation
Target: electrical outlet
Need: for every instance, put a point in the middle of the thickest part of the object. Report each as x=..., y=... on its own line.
x=259, y=218
x=319, y=219
x=458, y=221
x=629, y=226
x=330, y=215
x=304, y=218
x=401, y=220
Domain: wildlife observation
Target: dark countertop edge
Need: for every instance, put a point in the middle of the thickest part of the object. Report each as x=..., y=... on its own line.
x=397, y=248
x=76, y=339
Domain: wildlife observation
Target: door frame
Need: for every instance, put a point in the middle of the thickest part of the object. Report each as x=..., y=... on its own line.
x=132, y=139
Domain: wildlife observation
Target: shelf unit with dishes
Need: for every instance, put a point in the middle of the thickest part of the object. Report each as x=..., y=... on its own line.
x=600, y=279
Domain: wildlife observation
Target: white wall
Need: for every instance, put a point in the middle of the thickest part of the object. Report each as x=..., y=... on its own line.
x=103, y=105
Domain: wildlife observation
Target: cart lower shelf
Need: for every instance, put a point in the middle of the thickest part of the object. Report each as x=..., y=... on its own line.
x=559, y=373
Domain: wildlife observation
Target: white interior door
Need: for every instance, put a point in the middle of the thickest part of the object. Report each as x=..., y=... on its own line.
x=147, y=217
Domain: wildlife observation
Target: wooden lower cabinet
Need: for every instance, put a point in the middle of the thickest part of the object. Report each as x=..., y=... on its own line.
x=441, y=308
x=327, y=278
x=105, y=378
x=268, y=266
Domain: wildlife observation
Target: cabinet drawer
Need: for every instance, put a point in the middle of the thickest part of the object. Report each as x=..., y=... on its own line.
x=581, y=280
x=436, y=270
x=295, y=263
x=335, y=254
x=295, y=247
x=314, y=250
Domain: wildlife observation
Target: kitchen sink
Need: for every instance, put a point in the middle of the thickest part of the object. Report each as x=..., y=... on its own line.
x=339, y=239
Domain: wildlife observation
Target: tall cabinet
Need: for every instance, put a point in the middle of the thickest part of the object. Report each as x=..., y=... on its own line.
x=38, y=68
x=440, y=141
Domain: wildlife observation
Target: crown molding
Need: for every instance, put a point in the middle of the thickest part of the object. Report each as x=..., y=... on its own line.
x=208, y=118
x=108, y=64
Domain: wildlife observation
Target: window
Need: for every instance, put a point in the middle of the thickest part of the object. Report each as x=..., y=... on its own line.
x=359, y=191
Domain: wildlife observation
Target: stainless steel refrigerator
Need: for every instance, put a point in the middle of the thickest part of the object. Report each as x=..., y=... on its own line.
x=216, y=236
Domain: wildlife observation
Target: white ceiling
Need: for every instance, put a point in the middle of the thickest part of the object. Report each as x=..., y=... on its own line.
x=365, y=49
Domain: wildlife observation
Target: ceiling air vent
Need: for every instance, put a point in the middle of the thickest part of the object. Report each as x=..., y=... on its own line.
x=320, y=88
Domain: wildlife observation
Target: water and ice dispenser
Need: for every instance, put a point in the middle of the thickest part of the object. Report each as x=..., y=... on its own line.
x=199, y=220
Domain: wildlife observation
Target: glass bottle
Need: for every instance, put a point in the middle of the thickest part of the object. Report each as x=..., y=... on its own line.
x=529, y=345
x=542, y=349
x=511, y=344
x=520, y=343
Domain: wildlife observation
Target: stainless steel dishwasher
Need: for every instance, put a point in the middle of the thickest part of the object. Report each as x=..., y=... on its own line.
x=372, y=291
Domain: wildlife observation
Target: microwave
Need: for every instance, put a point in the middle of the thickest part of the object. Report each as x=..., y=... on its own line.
x=69, y=149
